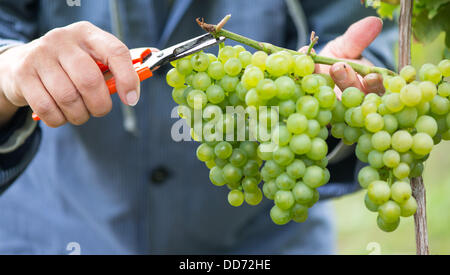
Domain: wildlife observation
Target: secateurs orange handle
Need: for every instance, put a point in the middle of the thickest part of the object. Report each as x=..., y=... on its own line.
x=150, y=61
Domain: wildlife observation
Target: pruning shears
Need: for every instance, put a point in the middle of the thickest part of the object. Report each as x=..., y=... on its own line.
x=149, y=61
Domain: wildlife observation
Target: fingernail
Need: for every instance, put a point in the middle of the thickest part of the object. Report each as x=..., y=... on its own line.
x=340, y=74
x=381, y=20
x=132, y=98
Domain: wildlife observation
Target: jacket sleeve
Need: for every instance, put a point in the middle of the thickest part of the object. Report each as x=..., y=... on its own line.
x=19, y=140
x=330, y=19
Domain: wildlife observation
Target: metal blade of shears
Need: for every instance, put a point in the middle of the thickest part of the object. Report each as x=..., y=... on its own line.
x=186, y=48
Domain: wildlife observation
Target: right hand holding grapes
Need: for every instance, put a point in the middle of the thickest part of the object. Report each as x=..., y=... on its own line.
x=57, y=76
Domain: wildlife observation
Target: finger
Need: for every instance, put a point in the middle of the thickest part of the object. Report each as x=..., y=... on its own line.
x=41, y=102
x=344, y=76
x=373, y=83
x=357, y=38
x=88, y=80
x=112, y=52
x=64, y=93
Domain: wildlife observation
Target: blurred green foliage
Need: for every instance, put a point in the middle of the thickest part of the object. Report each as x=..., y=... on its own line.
x=357, y=227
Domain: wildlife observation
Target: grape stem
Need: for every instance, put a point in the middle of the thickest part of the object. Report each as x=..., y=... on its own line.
x=218, y=30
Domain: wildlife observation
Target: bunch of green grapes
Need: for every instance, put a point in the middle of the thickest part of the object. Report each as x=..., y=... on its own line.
x=292, y=162
x=394, y=134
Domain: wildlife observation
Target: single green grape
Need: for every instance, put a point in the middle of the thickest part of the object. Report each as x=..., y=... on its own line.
x=223, y=150
x=205, y=153
x=287, y=107
x=215, y=94
x=370, y=205
x=308, y=106
x=233, y=66
x=313, y=128
x=374, y=122
x=184, y=66
x=270, y=189
x=200, y=62
x=427, y=125
x=216, y=70
x=411, y=95
x=422, y=144
x=402, y=170
x=297, y=123
x=396, y=84
x=310, y=84
x=281, y=135
x=401, y=191
x=238, y=158
x=276, y=64
x=253, y=198
x=280, y=216
x=381, y=141
x=284, y=199
x=236, y=198
x=299, y=213
x=429, y=72
x=296, y=169
x=408, y=208
x=216, y=176
x=283, y=155
x=390, y=211
x=352, y=97
x=319, y=149
x=229, y=83
x=285, y=182
x=444, y=67
x=304, y=65
x=391, y=158
x=246, y=58
x=408, y=73
x=390, y=123
x=175, y=79
x=379, y=192
x=266, y=89
x=428, y=90
x=285, y=87
x=367, y=175
x=387, y=227
x=327, y=97
x=393, y=102
x=232, y=174
x=300, y=144
x=197, y=99
x=178, y=95
x=226, y=53
x=313, y=176
x=402, y=141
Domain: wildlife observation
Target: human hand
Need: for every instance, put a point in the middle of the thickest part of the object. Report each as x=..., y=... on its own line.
x=57, y=76
x=350, y=46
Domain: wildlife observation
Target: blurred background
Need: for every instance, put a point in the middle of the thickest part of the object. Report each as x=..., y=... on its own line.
x=357, y=229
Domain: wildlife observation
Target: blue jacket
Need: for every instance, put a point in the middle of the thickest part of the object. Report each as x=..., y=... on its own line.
x=115, y=193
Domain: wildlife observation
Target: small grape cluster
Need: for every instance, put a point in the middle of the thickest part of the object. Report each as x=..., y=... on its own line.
x=394, y=134
x=292, y=163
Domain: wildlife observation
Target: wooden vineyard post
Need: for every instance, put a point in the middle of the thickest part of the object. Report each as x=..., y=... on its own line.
x=418, y=188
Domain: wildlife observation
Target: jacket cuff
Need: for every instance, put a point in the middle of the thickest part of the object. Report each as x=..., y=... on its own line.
x=19, y=142
x=17, y=131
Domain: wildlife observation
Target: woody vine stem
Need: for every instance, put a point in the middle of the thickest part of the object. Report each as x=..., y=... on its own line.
x=418, y=188
x=218, y=30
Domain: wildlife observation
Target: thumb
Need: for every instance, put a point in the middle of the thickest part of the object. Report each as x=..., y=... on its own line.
x=357, y=38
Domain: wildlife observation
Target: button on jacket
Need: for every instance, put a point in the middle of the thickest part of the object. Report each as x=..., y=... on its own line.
x=115, y=193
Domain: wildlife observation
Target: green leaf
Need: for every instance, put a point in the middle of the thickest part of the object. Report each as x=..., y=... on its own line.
x=424, y=29
x=386, y=10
